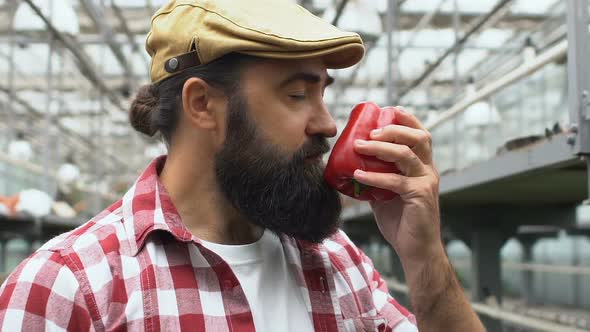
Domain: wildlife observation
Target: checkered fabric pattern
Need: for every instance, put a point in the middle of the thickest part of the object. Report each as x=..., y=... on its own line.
x=137, y=267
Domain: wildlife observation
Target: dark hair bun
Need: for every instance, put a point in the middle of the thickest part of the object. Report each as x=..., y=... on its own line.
x=142, y=109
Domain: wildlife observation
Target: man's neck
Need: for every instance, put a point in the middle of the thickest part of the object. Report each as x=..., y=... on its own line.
x=190, y=181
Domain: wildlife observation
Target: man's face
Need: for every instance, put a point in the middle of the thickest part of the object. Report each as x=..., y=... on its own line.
x=268, y=167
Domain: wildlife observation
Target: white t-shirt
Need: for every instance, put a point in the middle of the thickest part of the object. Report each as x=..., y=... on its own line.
x=270, y=287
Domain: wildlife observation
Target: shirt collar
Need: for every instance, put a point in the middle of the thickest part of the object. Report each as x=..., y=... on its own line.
x=147, y=207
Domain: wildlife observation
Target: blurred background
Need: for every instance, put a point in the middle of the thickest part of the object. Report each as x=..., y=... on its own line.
x=503, y=86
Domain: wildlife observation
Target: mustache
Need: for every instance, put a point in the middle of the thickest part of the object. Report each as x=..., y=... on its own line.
x=317, y=145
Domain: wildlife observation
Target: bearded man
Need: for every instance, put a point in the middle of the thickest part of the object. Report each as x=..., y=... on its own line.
x=235, y=228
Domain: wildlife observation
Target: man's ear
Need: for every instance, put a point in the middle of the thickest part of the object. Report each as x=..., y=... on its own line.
x=199, y=103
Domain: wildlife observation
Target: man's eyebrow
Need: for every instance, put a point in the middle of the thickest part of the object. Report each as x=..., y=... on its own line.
x=306, y=77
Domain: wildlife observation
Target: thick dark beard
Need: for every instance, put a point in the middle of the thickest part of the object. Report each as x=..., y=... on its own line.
x=281, y=193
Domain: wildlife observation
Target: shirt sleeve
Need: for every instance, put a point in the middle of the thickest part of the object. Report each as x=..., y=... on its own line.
x=42, y=293
x=384, y=302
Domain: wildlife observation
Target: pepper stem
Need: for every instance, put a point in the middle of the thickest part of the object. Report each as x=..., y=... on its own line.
x=359, y=187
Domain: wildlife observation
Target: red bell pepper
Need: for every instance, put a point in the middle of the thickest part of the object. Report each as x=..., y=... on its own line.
x=344, y=160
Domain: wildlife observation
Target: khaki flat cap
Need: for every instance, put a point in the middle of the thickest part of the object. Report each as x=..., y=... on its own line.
x=188, y=33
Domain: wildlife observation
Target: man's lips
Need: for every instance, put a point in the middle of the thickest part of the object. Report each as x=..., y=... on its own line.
x=316, y=153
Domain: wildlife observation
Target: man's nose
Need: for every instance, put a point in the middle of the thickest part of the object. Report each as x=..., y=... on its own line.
x=322, y=123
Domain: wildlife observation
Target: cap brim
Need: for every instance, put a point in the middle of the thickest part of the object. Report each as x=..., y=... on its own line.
x=342, y=56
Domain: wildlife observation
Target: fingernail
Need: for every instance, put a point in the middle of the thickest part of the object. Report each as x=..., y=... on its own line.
x=360, y=142
x=401, y=109
x=359, y=172
x=376, y=132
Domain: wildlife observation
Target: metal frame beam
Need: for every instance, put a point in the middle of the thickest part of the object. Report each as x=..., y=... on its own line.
x=579, y=71
x=73, y=135
x=549, y=154
x=476, y=27
x=84, y=62
x=424, y=21
x=98, y=18
x=390, y=24
x=339, y=11
x=36, y=83
x=137, y=19
x=554, y=53
x=509, y=60
x=41, y=38
x=36, y=169
x=134, y=45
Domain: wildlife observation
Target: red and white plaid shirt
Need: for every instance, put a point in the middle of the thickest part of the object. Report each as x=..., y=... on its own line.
x=136, y=266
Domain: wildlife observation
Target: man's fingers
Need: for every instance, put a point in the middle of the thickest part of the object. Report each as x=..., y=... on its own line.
x=405, y=158
x=397, y=183
x=405, y=186
x=419, y=140
x=406, y=119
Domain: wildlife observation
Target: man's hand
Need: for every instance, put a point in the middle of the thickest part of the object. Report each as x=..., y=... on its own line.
x=411, y=223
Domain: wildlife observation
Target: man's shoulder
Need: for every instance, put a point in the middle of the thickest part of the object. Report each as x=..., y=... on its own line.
x=106, y=230
x=50, y=285
x=56, y=263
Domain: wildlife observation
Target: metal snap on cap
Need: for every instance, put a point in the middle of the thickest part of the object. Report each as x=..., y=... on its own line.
x=171, y=65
